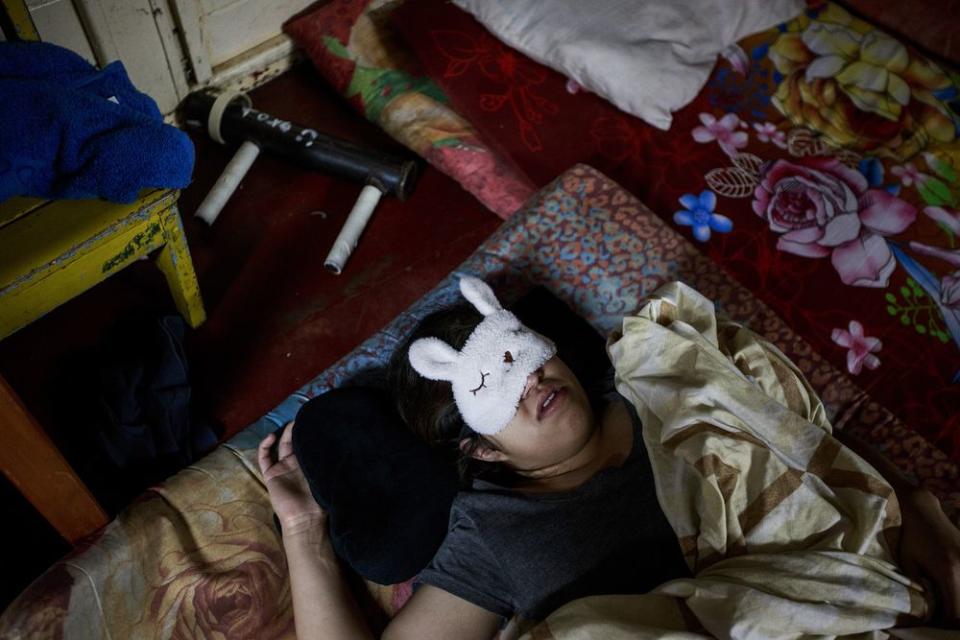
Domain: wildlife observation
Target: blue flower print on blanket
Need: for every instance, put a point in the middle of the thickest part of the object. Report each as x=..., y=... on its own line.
x=698, y=212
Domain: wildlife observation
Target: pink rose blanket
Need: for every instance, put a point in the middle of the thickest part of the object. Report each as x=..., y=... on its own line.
x=819, y=166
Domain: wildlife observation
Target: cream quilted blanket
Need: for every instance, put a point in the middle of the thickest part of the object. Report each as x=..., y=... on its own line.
x=789, y=533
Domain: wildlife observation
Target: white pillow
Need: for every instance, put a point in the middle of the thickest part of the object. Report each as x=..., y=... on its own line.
x=648, y=57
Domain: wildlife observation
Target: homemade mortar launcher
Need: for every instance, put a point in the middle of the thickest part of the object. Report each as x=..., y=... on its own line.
x=229, y=118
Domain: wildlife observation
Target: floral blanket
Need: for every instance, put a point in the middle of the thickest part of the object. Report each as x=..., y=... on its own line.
x=819, y=166
x=349, y=43
x=199, y=557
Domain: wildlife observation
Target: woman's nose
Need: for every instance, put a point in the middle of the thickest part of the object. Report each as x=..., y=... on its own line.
x=532, y=381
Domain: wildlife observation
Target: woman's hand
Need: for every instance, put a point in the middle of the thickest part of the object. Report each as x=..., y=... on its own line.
x=930, y=552
x=287, y=486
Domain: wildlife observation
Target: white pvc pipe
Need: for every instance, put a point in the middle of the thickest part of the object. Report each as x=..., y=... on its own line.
x=228, y=182
x=347, y=240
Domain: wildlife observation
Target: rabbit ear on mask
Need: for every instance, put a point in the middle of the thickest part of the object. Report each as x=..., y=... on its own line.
x=434, y=359
x=480, y=295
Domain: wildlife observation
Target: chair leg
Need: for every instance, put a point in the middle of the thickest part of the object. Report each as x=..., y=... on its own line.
x=174, y=261
x=38, y=470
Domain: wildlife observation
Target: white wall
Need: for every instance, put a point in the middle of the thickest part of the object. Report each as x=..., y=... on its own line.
x=170, y=47
x=234, y=26
x=57, y=21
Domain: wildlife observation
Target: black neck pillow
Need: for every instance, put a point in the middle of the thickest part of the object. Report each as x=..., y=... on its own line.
x=386, y=492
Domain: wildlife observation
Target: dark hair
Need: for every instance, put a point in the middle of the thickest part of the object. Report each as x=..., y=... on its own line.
x=427, y=406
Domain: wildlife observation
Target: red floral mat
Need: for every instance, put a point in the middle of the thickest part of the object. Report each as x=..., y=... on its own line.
x=352, y=45
x=818, y=166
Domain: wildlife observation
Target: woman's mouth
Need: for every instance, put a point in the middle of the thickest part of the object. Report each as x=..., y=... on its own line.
x=550, y=401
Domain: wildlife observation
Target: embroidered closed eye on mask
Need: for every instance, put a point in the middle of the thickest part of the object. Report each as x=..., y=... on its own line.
x=490, y=373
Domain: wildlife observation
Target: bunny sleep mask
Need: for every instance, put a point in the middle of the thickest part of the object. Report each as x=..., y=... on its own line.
x=490, y=373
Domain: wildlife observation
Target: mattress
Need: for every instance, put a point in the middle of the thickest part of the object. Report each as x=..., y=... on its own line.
x=199, y=557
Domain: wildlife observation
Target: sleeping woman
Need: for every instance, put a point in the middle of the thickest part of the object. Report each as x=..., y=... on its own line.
x=570, y=491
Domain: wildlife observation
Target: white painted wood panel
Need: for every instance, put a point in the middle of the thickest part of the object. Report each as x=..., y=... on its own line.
x=187, y=14
x=170, y=47
x=128, y=30
x=231, y=27
x=57, y=21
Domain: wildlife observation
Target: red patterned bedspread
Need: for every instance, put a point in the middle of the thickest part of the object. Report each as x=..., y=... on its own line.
x=819, y=166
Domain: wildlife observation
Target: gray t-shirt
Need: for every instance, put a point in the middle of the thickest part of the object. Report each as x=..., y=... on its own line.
x=510, y=552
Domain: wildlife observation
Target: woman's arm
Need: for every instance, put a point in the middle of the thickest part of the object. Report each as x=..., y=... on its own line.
x=929, y=543
x=323, y=606
x=434, y=614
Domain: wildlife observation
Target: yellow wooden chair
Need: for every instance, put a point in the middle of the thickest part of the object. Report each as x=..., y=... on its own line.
x=51, y=251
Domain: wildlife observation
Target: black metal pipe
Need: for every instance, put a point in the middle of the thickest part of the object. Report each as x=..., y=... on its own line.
x=302, y=145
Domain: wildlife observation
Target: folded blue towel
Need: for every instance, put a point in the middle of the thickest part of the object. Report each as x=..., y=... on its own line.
x=68, y=130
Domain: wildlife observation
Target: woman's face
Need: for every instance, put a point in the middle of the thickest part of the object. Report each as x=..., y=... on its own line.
x=553, y=422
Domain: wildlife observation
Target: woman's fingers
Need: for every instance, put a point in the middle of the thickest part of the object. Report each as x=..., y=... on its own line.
x=263, y=453
x=286, y=442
